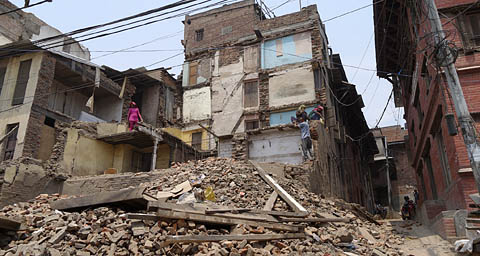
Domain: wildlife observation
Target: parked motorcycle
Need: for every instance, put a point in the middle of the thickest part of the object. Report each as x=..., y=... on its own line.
x=408, y=209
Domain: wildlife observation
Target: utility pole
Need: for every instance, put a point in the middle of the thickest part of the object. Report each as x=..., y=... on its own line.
x=300, y=2
x=461, y=109
x=387, y=170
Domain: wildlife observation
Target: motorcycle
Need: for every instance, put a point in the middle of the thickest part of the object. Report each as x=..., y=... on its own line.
x=408, y=210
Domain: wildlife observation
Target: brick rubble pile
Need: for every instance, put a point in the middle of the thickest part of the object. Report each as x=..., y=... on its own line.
x=107, y=230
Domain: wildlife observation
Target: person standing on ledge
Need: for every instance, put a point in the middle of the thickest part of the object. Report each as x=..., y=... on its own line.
x=133, y=116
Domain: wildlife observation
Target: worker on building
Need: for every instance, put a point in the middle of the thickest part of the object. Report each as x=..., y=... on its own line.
x=301, y=113
x=306, y=140
x=316, y=113
x=133, y=116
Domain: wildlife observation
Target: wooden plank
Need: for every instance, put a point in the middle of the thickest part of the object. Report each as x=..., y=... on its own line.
x=315, y=220
x=165, y=214
x=281, y=192
x=9, y=224
x=128, y=196
x=360, y=211
x=218, y=238
x=201, y=209
x=271, y=201
x=225, y=210
x=182, y=188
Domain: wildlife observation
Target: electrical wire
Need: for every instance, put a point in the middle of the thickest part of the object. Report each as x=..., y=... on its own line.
x=384, y=110
x=82, y=30
x=23, y=8
x=352, y=11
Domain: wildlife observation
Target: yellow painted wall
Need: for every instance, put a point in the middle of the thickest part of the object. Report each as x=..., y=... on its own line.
x=21, y=113
x=105, y=129
x=186, y=136
x=85, y=156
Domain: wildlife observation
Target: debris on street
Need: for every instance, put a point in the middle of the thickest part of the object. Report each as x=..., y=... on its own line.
x=235, y=224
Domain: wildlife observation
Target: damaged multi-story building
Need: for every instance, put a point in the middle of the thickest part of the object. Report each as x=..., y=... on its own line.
x=59, y=107
x=245, y=76
x=406, y=56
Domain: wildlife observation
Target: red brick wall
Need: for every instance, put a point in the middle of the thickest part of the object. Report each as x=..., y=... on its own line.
x=445, y=227
x=451, y=3
x=437, y=100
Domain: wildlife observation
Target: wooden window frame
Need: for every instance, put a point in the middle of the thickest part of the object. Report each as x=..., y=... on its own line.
x=442, y=150
x=199, y=34
x=192, y=73
x=9, y=152
x=3, y=75
x=195, y=143
x=22, y=82
x=257, y=103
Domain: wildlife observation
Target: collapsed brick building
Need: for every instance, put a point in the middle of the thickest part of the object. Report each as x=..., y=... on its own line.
x=406, y=56
x=245, y=76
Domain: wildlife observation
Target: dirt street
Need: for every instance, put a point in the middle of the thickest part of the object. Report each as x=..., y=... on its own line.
x=419, y=240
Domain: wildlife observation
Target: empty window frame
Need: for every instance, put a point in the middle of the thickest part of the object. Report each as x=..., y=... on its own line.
x=197, y=140
x=252, y=125
x=22, y=81
x=443, y=157
x=250, y=91
x=10, y=142
x=199, y=35
x=426, y=76
x=470, y=29
x=169, y=102
x=3, y=72
x=431, y=177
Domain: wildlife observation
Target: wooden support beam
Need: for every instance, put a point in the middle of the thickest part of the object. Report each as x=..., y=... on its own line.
x=315, y=220
x=202, y=209
x=281, y=192
x=271, y=201
x=218, y=238
x=9, y=224
x=130, y=197
x=202, y=218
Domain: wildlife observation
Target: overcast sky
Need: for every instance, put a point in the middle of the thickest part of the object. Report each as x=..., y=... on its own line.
x=351, y=36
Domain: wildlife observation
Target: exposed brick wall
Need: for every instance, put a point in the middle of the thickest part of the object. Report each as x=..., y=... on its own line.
x=230, y=55
x=451, y=3
x=127, y=96
x=445, y=227
x=235, y=15
x=435, y=103
x=36, y=120
x=264, y=98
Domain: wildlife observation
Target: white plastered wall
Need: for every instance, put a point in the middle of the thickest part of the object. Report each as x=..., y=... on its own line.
x=18, y=114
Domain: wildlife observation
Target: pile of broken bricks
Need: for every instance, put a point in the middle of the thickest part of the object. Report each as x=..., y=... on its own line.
x=252, y=213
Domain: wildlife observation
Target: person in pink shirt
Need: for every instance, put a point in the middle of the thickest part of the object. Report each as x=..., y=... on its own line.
x=133, y=116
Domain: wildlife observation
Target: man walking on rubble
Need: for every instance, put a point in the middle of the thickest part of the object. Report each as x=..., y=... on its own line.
x=306, y=140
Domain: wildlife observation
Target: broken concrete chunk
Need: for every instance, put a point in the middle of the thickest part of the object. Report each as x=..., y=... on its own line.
x=58, y=236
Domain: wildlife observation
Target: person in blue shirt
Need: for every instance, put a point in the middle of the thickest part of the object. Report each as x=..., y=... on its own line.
x=306, y=139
